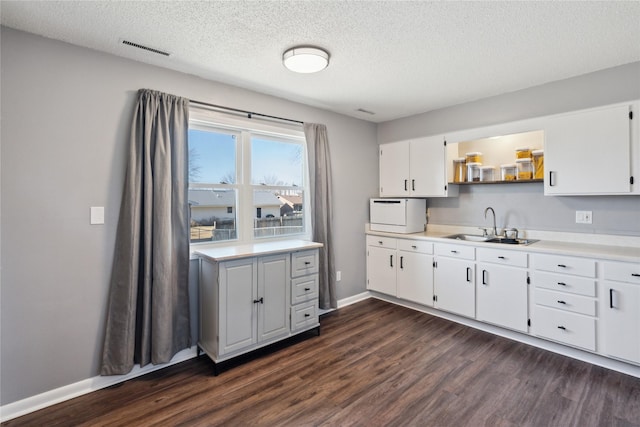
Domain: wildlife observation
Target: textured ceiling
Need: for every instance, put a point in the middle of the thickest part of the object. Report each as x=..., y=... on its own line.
x=395, y=58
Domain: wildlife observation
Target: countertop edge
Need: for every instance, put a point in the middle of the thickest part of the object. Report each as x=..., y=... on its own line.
x=254, y=249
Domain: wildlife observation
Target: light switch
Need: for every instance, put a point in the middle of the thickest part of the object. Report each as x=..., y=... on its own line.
x=97, y=215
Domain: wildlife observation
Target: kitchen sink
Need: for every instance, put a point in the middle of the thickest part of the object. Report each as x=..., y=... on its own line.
x=469, y=237
x=491, y=239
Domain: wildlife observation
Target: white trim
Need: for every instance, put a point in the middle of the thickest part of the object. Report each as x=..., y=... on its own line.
x=354, y=299
x=574, y=353
x=61, y=394
x=64, y=393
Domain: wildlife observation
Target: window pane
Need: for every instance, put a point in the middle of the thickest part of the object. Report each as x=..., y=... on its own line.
x=213, y=214
x=277, y=212
x=276, y=162
x=212, y=157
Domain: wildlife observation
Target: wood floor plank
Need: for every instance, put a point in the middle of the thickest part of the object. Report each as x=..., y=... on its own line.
x=374, y=364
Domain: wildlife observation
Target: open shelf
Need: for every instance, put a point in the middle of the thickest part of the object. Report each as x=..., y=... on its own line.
x=521, y=181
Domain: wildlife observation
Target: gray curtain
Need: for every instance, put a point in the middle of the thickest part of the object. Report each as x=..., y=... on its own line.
x=148, y=312
x=321, y=208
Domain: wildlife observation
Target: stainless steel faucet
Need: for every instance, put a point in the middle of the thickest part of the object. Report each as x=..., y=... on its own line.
x=495, y=229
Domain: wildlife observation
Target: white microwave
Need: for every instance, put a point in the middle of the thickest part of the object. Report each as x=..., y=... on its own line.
x=398, y=215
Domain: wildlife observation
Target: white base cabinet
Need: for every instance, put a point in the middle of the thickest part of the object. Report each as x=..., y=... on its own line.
x=254, y=301
x=454, y=279
x=402, y=268
x=622, y=310
x=502, y=290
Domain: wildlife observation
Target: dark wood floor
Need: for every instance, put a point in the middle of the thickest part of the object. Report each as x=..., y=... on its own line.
x=374, y=364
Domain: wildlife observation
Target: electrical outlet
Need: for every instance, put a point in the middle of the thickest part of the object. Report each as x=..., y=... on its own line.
x=338, y=276
x=97, y=215
x=584, y=217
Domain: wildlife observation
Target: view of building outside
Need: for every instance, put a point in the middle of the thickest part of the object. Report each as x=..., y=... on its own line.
x=276, y=171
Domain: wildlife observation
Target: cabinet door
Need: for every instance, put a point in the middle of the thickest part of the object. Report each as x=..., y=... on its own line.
x=394, y=169
x=415, y=277
x=238, y=282
x=381, y=270
x=427, y=167
x=588, y=152
x=622, y=320
x=454, y=286
x=273, y=314
x=502, y=296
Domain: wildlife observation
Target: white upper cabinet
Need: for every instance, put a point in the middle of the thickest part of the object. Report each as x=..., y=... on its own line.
x=415, y=168
x=589, y=152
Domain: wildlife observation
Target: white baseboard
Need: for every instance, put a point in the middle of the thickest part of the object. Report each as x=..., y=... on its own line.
x=354, y=299
x=51, y=397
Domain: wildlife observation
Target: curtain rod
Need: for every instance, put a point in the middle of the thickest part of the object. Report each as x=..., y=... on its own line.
x=248, y=113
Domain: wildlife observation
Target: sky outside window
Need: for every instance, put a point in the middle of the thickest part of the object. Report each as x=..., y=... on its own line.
x=212, y=157
x=276, y=163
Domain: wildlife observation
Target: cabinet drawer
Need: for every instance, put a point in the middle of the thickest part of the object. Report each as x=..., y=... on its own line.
x=383, y=242
x=622, y=272
x=456, y=251
x=304, y=262
x=501, y=256
x=304, y=315
x=304, y=288
x=567, y=328
x=567, y=265
x=565, y=283
x=415, y=246
x=567, y=302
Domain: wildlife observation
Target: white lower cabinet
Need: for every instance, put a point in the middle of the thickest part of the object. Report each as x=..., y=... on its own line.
x=402, y=268
x=621, y=311
x=501, y=292
x=253, y=301
x=415, y=272
x=454, y=279
x=565, y=303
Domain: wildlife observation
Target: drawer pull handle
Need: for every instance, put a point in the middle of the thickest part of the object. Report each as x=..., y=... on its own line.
x=415, y=247
x=468, y=274
x=307, y=262
x=260, y=301
x=611, y=298
x=379, y=242
x=562, y=302
x=562, y=284
x=501, y=257
x=635, y=274
x=307, y=289
x=562, y=327
x=562, y=266
x=454, y=252
x=307, y=315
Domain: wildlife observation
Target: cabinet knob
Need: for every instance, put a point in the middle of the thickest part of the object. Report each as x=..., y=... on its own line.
x=259, y=301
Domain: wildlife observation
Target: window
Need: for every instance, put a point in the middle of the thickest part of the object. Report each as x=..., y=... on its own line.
x=247, y=179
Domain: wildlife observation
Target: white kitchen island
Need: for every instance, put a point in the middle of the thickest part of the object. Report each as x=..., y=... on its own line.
x=256, y=294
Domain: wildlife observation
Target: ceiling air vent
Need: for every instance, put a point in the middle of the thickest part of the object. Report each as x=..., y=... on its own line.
x=148, y=49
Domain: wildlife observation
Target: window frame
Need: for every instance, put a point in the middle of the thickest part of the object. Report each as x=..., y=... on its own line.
x=246, y=128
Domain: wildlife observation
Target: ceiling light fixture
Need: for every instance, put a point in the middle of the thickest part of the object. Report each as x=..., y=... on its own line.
x=305, y=59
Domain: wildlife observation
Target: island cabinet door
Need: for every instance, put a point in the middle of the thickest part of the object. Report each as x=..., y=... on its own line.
x=238, y=311
x=273, y=312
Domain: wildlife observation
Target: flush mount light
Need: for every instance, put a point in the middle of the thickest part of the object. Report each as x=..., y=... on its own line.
x=306, y=59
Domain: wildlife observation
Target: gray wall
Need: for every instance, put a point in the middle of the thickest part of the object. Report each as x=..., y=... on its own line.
x=523, y=205
x=66, y=113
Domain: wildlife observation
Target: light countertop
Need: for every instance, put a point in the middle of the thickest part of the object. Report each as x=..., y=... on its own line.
x=254, y=249
x=627, y=250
